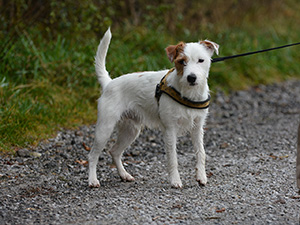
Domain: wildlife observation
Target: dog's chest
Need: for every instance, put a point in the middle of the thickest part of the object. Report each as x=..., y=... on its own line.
x=188, y=118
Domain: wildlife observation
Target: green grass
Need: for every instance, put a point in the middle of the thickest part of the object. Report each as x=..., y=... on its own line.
x=41, y=89
x=46, y=84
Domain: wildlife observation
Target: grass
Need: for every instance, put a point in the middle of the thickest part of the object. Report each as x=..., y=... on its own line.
x=41, y=88
x=48, y=84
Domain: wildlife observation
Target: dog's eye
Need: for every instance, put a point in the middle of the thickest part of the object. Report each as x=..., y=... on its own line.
x=200, y=60
x=182, y=62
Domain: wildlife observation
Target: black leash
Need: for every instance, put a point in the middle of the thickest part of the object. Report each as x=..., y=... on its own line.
x=251, y=53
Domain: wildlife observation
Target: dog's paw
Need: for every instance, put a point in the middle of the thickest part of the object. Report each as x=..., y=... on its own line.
x=201, y=178
x=176, y=182
x=94, y=184
x=201, y=183
x=127, y=177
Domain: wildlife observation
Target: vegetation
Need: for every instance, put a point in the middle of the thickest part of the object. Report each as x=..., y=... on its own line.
x=47, y=76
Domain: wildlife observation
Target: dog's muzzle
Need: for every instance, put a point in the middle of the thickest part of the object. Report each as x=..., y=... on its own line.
x=191, y=79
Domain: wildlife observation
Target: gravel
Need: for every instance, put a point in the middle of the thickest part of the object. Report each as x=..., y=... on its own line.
x=250, y=144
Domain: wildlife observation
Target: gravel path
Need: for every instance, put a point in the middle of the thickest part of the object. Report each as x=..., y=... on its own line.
x=251, y=147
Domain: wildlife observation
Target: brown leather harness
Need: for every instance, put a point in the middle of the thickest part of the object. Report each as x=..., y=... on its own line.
x=163, y=87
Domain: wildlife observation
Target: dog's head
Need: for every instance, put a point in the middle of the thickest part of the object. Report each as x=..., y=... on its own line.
x=192, y=61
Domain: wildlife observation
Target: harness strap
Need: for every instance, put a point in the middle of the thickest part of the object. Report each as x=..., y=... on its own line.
x=163, y=87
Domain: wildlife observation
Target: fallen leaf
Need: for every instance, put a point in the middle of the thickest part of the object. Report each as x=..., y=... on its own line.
x=82, y=162
x=210, y=174
x=213, y=218
x=227, y=165
x=220, y=210
x=224, y=145
x=177, y=206
x=136, y=208
x=132, y=162
x=155, y=218
x=273, y=156
x=180, y=217
x=31, y=209
x=295, y=197
x=281, y=201
x=112, y=166
x=87, y=148
x=9, y=163
x=284, y=156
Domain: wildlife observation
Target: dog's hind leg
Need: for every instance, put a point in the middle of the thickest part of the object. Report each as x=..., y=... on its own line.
x=107, y=119
x=102, y=134
x=128, y=130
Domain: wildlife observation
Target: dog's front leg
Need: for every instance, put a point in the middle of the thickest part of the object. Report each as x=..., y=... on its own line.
x=170, y=138
x=197, y=139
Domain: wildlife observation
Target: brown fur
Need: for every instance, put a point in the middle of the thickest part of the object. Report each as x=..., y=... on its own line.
x=178, y=64
x=173, y=51
x=208, y=45
x=175, y=54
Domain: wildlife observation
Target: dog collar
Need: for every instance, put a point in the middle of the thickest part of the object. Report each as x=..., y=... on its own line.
x=163, y=87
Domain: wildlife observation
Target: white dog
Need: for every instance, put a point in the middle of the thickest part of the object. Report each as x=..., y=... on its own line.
x=133, y=100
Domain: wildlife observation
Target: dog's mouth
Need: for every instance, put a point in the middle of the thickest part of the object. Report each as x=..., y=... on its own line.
x=193, y=84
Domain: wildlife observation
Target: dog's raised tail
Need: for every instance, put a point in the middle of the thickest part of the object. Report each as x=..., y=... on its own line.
x=102, y=74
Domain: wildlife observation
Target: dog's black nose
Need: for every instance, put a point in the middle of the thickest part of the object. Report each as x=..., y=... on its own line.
x=191, y=78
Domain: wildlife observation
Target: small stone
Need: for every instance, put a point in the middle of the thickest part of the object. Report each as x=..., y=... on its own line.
x=23, y=152
x=151, y=138
x=35, y=154
x=59, y=143
x=224, y=145
x=135, y=153
x=79, y=133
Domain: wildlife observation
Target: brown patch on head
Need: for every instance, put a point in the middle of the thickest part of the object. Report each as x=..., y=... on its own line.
x=180, y=62
x=211, y=46
x=175, y=54
x=173, y=51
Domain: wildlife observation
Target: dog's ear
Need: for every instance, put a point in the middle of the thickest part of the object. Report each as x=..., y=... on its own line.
x=211, y=46
x=174, y=50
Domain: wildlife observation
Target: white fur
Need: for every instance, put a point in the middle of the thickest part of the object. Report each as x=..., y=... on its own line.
x=128, y=102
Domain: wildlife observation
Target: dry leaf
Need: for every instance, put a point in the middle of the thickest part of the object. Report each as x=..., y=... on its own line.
x=82, y=162
x=220, y=210
x=295, y=197
x=224, y=145
x=284, y=156
x=273, y=156
x=210, y=174
x=155, y=218
x=213, y=218
x=87, y=148
x=31, y=209
x=112, y=166
x=177, y=206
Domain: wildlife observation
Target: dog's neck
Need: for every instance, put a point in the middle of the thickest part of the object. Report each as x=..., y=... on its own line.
x=199, y=92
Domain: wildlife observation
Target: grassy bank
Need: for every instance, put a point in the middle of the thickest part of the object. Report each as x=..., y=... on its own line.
x=48, y=82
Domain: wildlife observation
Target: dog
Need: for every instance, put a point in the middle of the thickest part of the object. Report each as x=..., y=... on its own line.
x=129, y=102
